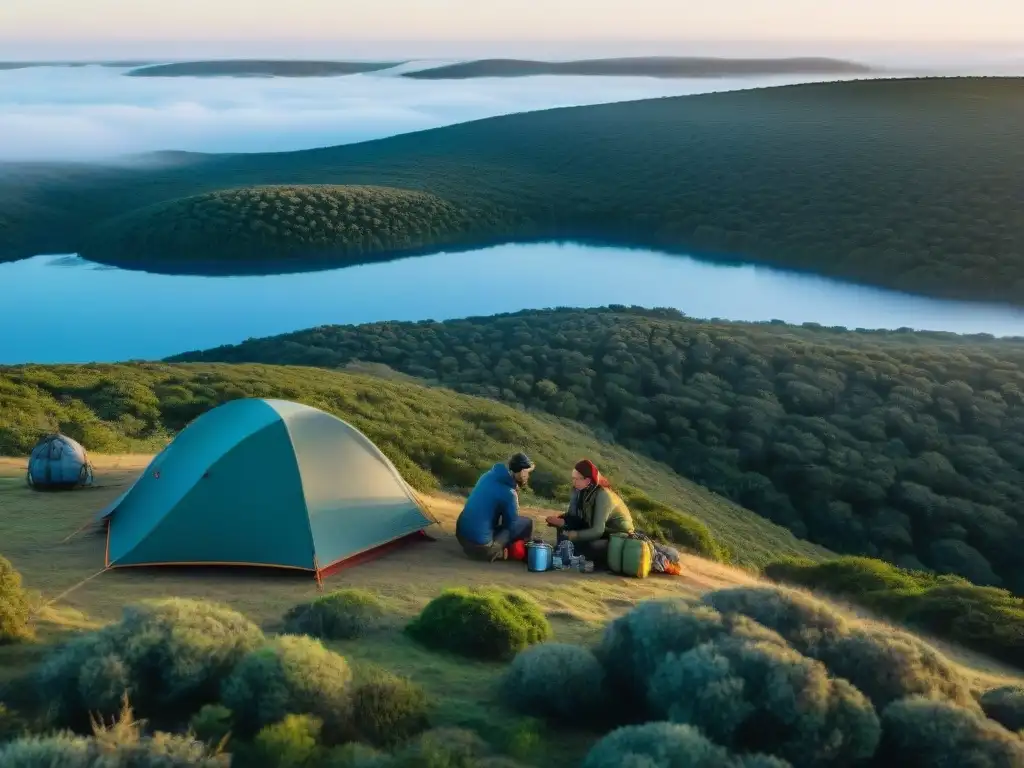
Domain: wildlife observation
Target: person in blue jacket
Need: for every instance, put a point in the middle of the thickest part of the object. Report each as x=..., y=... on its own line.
x=490, y=520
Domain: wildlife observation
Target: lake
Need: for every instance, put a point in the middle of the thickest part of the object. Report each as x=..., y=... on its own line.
x=65, y=309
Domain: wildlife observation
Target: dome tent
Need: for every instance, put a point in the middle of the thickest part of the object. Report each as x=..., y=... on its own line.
x=263, y=483
x=58, y=463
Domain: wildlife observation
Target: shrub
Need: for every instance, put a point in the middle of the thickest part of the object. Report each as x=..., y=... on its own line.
x=289, y=675
x=387, y=710
x=342, y=615
x=169, y=656
x=801, y=619
x=120, y=745
x=985, y=619
x=668, y=745
x=938, y=734
x=212, y=724
x=633, y=645
x=1005, y=705
x=444, y=748
x=558, y=681
x=484, y=624
x=11, y=724
x=355, y=755
x=664, y=524
x=294, y=742
x=764, y=697
x=890, y=665
x=15, y=611
x=845, y=575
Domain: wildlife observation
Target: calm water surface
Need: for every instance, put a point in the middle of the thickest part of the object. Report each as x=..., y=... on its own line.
x=64, y=309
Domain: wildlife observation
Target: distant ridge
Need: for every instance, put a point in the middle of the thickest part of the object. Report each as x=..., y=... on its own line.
x=5, y=65
x=260, y=68
x=647, y=66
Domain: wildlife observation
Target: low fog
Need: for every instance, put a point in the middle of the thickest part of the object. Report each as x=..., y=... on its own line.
x=96, y=113
x=91, y=113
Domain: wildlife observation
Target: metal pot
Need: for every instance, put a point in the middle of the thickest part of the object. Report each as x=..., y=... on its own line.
x=538, y=556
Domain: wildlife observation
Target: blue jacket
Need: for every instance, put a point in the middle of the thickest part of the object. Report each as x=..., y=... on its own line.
x=494, y=495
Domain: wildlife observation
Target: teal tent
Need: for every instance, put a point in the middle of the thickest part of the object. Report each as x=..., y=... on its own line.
x=265, y=483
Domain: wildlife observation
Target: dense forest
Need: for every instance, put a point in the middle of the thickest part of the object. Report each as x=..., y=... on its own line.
x=436, y=438
x=908, y=183
x=640, y=66
x=353, y=222
x=903, y=446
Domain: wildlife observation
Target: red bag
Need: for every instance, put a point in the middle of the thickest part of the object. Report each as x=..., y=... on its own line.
x=517, y=550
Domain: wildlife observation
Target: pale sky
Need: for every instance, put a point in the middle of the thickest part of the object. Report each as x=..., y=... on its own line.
x=26, y=23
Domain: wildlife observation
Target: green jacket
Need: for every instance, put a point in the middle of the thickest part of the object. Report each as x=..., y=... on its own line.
x=596, y=513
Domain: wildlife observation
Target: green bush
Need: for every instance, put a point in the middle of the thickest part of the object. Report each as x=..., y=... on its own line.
x=558, y=681
x=668, y=745
x=11, y=724
x=800, y=619
x=887, y=665
x=342, y=615
x=984, y=619
x=938, y=734
x=667, y=525
x=484, y=624
x=1005, y=705
x=294, y=742
x=387, y=710
x=290, y=675
x=845, y=575
x=634, y=644
x=15, y=611
x=212, y=723
x=169, y=656
x=764, y=697
x=449, y=748
x=356, y=755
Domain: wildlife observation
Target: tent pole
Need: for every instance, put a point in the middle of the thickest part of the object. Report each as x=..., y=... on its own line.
x=316, y=571
x=106, y=550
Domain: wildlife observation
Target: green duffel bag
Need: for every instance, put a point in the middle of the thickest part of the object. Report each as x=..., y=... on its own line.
x=637, y=557
x=616, y=542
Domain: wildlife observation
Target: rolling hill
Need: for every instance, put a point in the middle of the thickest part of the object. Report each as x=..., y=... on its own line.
x=903, y=446
x=258, y=68
x=906, y=183
x=640, y=66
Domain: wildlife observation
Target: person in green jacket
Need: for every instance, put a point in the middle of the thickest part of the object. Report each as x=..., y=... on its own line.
x=595, y=513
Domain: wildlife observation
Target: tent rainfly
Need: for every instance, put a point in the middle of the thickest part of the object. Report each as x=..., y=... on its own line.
x=265, y=483
x=58, y=463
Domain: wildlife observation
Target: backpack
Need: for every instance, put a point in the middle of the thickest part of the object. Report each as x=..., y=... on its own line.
x=630, y=554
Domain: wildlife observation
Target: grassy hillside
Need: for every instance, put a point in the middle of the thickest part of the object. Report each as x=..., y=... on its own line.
x=912, y=184
x=436, y=438
x=614, y=616
x=641, y=66
x=903, y=446
x=258, y=68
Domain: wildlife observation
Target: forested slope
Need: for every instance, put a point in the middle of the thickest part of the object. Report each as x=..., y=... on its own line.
x=903, y=446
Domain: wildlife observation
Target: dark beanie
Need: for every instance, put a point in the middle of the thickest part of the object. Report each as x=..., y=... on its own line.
x=519, y=462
